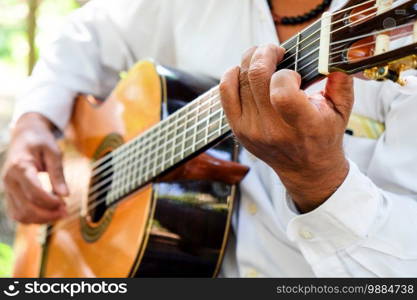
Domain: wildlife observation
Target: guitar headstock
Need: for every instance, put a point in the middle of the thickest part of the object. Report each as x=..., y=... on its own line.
x=376, y=37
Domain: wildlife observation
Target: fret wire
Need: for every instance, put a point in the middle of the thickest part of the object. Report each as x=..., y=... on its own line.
x=113, y=181
x=148, y=146
x=137, y=162
x=220, y=125
x=225, y=128
x=210, y=100
x=146, y=166
x=283, y=44
x=195, y=127
x=160, y=137
x=296, y=52
x=282, y=64
x=202, y=97
x=183, y=132
x=222, y=117
x=164, y=137
x=149, y=175
x=317, y=32
x=221, y=128
x=99, y=162
x=140, y=161
x=129, y=169
x=212, y=137
x=215, y=112
x=206, y=138
x=132, y=166
x=146, y=134
x=124, y=185
x=207, y=121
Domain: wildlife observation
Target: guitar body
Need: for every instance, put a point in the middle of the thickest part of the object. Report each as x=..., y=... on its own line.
x=177, y=226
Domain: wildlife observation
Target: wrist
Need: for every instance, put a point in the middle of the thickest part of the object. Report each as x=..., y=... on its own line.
x=312, y=186
x=33, y=120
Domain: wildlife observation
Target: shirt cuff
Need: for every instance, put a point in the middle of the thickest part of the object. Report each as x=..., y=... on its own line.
x=53, y=102
x=345, y=218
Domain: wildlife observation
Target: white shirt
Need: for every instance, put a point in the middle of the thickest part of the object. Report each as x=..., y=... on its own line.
x=368, y=227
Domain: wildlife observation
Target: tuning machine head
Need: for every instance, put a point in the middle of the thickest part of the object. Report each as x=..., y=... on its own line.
x=381, y=73
x=393, y=70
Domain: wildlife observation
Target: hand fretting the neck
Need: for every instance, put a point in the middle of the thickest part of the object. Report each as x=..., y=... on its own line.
x=193, y=128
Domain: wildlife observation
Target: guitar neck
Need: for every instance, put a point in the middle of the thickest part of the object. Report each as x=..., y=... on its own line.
x=196, y=126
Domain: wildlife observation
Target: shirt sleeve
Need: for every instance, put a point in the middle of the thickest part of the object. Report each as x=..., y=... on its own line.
x=86, y=57
x=368, y=227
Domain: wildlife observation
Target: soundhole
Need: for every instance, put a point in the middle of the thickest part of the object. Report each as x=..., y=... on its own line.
x=99, y=188
x=99, y=213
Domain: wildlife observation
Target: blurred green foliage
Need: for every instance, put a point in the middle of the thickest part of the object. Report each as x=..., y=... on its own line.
x=14, y=47
x=14, y=52
x=6, y=260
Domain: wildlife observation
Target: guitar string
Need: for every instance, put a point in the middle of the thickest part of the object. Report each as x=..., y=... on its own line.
x=177, y=121
x=126, y=148
x=147, y=174
x=186, y=116
x=373, y=34
x=157, y=142
x=214, y=106
x=405, y=34
x=121, y=149
x=165, y=130
x=318, y=30
x=149, y=131
x=96, y=204
x=70, y=218
x=98, y=162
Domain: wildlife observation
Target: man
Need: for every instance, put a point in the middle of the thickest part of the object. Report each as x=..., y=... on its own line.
x=315, y=203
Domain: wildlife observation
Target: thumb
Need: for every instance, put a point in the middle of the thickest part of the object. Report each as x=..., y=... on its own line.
x=53, y=163
x=339, y=90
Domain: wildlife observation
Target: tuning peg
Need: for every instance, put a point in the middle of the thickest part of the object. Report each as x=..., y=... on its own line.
x=382, y=73
x=408, y=85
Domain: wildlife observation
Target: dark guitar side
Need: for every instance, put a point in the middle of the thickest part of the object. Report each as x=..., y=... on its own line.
x=192, y=217
x=175, y=226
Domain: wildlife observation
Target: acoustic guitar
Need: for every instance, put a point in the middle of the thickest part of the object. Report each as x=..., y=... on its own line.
x=153, y=169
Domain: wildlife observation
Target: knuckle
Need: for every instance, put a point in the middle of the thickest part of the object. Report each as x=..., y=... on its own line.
x=34, y=145
x=7, y=176
x=243, y=79
x=280, y=99
x=31, y=198
x=258, y=72
x=18, y=166
x=22, y=217
x=249, y=52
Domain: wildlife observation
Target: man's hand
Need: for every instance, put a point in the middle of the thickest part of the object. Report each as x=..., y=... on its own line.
x=33, y=149
x=299, y=135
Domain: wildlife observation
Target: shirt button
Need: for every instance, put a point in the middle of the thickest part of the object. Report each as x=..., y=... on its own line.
x=306, y=234
x=252, y=273
x=252, y=209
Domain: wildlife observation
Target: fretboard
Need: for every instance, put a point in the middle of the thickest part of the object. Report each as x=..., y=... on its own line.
x=190, y=130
